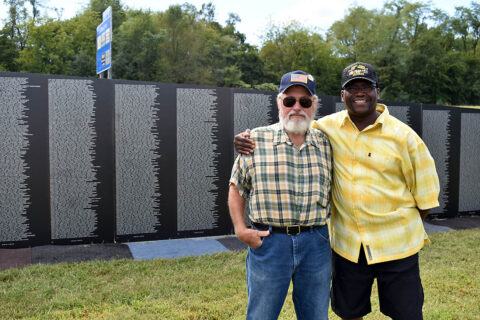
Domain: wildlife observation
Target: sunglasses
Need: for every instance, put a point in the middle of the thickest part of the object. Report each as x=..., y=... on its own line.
x=290, y=101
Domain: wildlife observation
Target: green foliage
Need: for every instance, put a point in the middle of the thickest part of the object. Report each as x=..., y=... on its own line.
x=466, y=24
x=118, y=12
x=421, y=53
x=351, y=37
x=47, y=49
x=137, y=42
x=185, y=45
x=293, y=47
x=266, y=87
x=61, y=47
x=8, y=53
x=82, y=31
x=249, y=64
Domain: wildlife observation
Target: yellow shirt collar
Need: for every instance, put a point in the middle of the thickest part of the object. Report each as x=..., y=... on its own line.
x=380, y=120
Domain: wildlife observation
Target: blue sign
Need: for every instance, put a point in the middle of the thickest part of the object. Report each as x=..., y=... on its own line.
x=104, y=42
x=107, y=13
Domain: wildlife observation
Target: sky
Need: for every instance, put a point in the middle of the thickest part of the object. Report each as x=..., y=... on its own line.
x=255, y=15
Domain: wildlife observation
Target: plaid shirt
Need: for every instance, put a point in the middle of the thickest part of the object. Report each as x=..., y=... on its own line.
x=287, y=185
x=382, y=175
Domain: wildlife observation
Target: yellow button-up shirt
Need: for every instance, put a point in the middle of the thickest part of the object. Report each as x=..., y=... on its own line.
x=381, y=175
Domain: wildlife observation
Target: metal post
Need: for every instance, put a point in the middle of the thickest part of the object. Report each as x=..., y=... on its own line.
x=109, y=73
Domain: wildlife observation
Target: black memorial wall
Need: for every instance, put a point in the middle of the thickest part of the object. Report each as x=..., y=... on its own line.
x=96, y=160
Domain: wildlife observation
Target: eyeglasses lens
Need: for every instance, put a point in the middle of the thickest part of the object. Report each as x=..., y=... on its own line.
x=290, y=101
x=359, y=89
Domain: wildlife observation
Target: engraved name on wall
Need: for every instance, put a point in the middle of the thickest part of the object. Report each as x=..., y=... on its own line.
x=59, y=152
x=14, y=196
x=136, y=149
x=252, y=110
x=436, y=137
x=72, y=139
x=401, y=113
x=196, y=149
x=469, y=163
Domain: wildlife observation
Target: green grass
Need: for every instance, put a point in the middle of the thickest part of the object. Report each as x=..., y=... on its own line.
x=213, y=286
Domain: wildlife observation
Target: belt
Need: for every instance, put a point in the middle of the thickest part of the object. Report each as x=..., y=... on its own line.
x=290, y=230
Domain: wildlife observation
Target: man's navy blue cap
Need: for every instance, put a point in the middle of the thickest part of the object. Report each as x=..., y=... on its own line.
x=298, y=78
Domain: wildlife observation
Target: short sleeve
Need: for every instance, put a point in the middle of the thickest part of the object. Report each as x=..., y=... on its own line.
x=240, y=176
x=426, y=187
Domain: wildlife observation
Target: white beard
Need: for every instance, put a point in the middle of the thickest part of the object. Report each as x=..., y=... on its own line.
x=296, y=125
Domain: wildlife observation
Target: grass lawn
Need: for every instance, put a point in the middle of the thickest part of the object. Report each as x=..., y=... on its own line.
x=213, y=286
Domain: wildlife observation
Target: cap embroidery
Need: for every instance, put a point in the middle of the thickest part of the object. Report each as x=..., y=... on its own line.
x=299, y=78
x=358, y=70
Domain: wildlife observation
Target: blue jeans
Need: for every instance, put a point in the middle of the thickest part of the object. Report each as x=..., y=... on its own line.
x=304, y=259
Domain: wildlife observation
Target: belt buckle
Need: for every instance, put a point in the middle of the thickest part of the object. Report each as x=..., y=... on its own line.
x=295, y=228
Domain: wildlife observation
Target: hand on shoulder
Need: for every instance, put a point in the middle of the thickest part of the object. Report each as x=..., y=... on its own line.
x=242, y=142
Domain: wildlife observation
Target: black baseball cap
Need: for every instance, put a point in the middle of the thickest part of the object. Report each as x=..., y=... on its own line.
x=359, y=71
x=298, y=78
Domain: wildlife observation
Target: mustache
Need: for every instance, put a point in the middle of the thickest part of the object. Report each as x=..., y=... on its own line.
x=299, y=112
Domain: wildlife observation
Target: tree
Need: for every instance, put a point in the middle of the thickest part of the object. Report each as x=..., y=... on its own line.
x=8, y=52
x=82, y=32
x=48, y=49
x=118, y=12
x=250, y=65
x=293, y=47
x=466, y=24
x=16, y=22
x=138, y=42
x=459, y=24
x=242, y=65
x=351, y=37
x=421, y=54
x=399, y=24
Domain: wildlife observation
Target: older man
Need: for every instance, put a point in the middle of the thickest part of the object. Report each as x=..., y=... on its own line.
x=288, y=181
x=384, y=184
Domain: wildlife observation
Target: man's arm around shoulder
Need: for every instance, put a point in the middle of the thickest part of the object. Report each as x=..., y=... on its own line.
x=245, y=145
